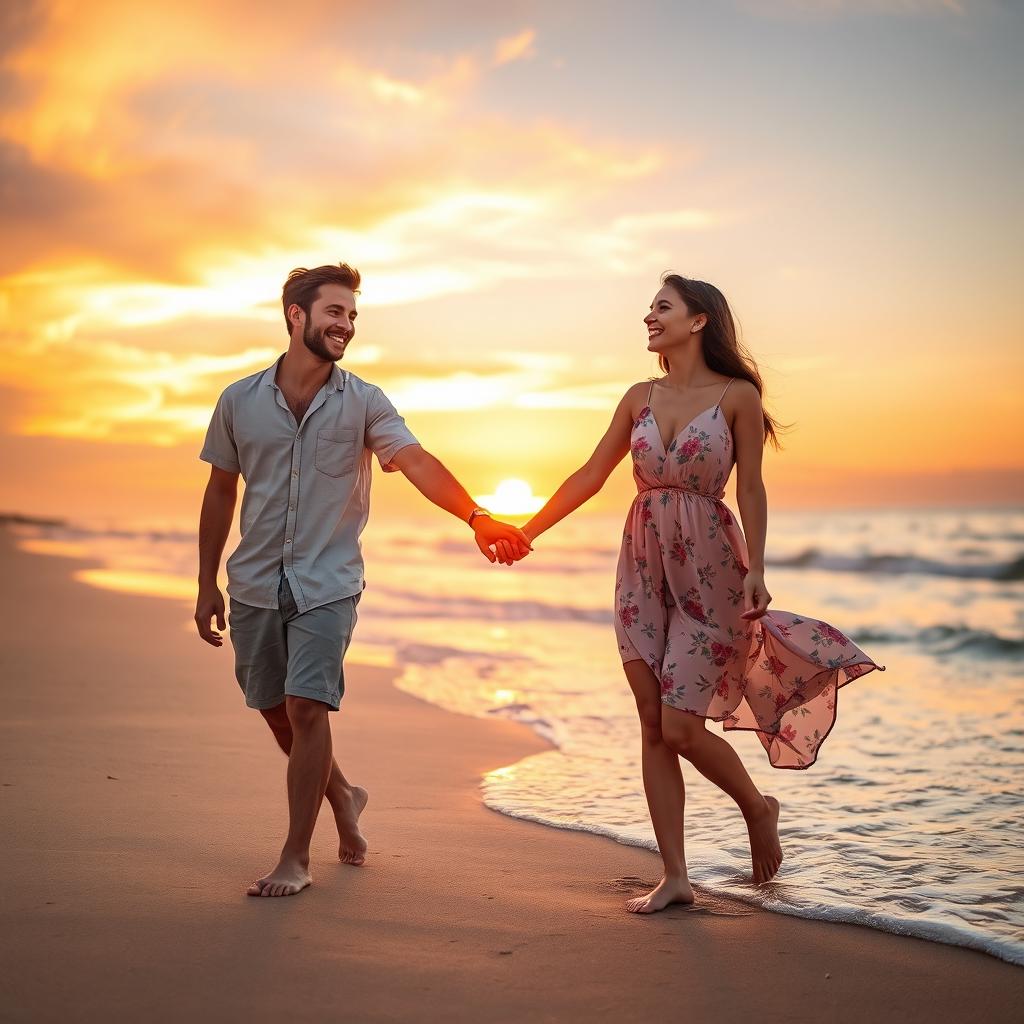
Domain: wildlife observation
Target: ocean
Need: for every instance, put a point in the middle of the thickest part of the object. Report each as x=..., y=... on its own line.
x=912, y=821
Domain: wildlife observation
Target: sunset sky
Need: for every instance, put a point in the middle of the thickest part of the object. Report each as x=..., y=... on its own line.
x=512, y=179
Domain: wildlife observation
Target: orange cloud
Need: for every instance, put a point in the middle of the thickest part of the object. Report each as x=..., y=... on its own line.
x=517, y=47
x=164, y=168
x=117, y=392
x=163, y=142
x=123, y=394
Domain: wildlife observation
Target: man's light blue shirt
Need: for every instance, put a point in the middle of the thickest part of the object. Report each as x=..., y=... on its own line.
x=307, y=485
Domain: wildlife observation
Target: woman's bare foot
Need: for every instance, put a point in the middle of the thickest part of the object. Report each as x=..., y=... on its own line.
x=288, y=878
x=765, y=848
x=667, y=891
x=352, y=849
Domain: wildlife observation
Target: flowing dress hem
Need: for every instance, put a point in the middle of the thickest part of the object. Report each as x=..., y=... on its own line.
x=723, y=719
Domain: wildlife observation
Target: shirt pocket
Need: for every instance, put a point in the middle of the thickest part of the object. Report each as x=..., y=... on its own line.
x=336, y=451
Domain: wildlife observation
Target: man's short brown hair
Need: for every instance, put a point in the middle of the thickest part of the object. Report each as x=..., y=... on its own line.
x=303, y=286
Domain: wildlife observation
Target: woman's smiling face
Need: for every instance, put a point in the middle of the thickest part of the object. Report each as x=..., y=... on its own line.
x=670, y=322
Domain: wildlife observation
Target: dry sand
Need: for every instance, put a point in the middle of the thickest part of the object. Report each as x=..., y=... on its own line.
x=140, y=797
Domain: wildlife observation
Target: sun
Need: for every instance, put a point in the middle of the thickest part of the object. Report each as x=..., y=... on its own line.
x=512, y=497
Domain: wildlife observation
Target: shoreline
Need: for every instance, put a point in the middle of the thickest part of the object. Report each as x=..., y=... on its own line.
x=142, y=797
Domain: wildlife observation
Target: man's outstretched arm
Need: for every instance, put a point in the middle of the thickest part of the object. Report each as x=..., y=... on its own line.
x=430, y=477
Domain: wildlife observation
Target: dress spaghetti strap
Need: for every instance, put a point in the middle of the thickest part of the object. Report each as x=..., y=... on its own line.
x=727, y=386
x=650, y=392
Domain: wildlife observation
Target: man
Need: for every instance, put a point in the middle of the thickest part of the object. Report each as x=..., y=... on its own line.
x=300, y=434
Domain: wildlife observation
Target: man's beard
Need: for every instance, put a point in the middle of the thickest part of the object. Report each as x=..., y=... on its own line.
x=314, y=341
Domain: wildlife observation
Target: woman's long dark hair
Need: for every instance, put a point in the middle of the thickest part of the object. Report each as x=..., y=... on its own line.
x=723, y=351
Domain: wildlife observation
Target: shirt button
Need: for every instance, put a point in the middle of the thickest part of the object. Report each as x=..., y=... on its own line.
x=288, y=541
x=295, y=472
x=291, y=508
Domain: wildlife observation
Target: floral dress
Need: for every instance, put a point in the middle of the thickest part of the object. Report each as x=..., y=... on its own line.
x=679, y=597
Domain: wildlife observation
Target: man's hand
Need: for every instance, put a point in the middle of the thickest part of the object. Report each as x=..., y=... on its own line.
x=209, y=605
x=500, y=542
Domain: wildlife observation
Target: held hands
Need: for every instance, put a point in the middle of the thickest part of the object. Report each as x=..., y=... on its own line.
x=755, y=596
x=500, y=542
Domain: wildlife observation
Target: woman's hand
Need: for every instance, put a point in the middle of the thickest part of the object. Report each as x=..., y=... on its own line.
x=500, y=541
x=755, y=596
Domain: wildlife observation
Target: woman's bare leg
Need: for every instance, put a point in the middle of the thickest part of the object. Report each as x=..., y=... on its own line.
x=715, y=759
x=663, y=786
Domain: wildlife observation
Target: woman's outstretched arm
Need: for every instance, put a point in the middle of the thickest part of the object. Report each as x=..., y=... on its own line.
x=582, y=485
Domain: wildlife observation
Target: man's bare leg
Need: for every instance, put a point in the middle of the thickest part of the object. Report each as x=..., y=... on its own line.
x=347, y=801
x=309, y=768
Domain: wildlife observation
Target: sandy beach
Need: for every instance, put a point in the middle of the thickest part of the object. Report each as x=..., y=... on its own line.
x=140, y=797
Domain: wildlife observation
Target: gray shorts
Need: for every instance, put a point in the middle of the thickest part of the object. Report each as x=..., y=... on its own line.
x=280, y=653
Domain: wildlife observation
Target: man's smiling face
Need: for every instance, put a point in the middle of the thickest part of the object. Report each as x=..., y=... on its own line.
x=331, y=323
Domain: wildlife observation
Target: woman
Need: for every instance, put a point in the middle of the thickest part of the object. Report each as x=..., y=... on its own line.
x=694, y=633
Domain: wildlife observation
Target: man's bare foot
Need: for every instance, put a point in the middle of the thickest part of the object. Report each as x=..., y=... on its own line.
x=288, y=878
x=765, y=848
x=667, y=891
x=353, y=846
